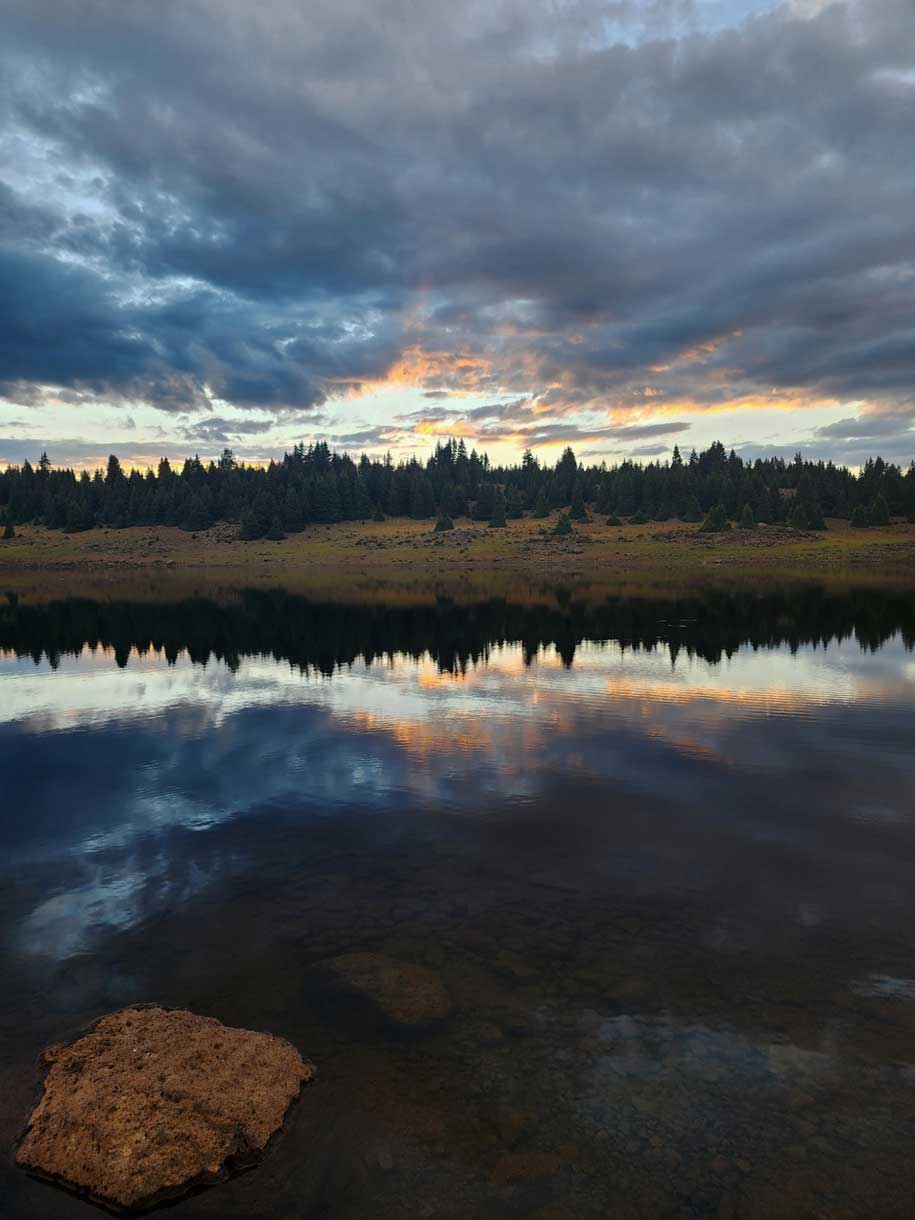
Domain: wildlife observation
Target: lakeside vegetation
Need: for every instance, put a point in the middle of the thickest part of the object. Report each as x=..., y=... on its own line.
x=403, y=561
x=315, y=485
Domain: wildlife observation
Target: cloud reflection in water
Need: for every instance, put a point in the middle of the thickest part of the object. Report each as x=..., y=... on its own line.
x=153, y=751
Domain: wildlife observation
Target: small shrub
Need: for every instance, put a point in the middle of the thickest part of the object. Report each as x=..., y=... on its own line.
x=640, y=518
x=563, y=525
x=249, y=527
x=542, y=506
x=442, y=524
x=879, y=513
x=716, y=521
x=612, y=520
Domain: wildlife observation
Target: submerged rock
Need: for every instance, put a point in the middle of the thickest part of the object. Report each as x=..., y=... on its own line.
x=151, y=1102
x=403, y=995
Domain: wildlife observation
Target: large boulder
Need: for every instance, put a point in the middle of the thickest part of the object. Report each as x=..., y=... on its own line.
x=152, y=1102
x=404, y=996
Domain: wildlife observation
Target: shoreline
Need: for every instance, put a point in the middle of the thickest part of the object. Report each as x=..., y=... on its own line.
x=405, y=558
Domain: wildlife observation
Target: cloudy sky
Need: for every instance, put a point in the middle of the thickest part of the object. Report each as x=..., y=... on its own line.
x=620, y=224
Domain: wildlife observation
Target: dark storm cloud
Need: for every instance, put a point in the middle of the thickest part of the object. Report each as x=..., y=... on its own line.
x=279, y=202
x=63, y=324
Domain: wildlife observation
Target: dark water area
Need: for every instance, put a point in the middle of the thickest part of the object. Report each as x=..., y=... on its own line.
x=660, y=852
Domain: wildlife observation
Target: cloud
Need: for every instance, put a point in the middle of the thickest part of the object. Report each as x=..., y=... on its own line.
x=649, y=450
x=370, y=438
x=520, y=422
x=641, y=207
x=640, y=431
x=869, y=427
x=225, y=431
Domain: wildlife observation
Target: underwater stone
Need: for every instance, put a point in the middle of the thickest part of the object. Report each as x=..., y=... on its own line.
x=405, y=996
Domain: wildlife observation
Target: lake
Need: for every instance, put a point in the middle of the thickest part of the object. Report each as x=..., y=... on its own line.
x=660, y=851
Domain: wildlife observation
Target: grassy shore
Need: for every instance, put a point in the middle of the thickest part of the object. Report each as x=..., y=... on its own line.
x=406, y=559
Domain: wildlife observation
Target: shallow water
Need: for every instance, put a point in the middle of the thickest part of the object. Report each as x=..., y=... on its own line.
x=661, y=855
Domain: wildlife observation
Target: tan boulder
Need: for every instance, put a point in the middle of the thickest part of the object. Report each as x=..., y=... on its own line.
x=152, y=1102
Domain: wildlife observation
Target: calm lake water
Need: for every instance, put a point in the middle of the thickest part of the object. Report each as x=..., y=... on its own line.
x=661, y=853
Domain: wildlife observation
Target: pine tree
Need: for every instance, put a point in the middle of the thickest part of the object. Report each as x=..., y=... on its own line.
x=566, y=471
x=482, y=510
x=542, y=504
x=456, y=502
x=250, y=526
x=417, y=500
x=879, y=513
x=716, y=521
x=578, y=511
x=8, y=531
x=443, y=524
x=326, y=499
x=747, y=520
x=196, y=516
x=363, y=505
x=692, y=512
x=815, y=518
x=292, y=512
x=497, y=520
x=514, y=505
x=563, y=525
x=797, y=518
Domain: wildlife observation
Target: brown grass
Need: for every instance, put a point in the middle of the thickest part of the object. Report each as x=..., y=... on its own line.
x=405, y=559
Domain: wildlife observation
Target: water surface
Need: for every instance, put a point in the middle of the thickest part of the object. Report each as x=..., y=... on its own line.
x=661, y=854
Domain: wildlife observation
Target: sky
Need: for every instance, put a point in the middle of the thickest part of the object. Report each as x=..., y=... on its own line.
x=615, y=224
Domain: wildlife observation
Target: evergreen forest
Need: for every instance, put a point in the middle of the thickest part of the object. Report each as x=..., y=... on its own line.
x=315, y=484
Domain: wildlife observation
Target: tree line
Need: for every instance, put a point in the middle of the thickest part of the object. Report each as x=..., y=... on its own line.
x=322, y=637
x=315, y=484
